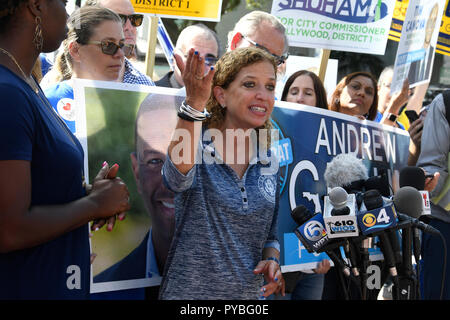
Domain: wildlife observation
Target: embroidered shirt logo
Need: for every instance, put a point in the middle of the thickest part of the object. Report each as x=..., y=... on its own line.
x=267, y=186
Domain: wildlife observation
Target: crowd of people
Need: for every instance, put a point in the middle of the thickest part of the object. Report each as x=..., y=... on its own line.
x=213, y=235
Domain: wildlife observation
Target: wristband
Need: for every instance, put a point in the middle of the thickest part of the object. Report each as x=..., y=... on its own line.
x=392, y=117
x=185, y=117
x=274, y=259
x=186, y=112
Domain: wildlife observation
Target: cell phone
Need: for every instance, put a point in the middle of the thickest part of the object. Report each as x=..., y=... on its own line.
x=412, y=115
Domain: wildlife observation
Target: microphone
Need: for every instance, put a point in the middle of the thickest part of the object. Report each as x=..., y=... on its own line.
x=380, y=183
x=408, y=202
x=344, y=170
x=340, y=214
x=310, y=231
x=313, y=235
x=412, y=177
x=338, y=200
x=415, y=177
x=374, y=203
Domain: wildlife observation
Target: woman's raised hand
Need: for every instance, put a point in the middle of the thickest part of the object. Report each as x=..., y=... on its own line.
x=197, y=83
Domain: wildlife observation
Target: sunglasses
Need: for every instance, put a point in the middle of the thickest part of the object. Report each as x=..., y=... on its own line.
x=135, y=19
x=279, y=59
x=109, y=47
x=209, y=59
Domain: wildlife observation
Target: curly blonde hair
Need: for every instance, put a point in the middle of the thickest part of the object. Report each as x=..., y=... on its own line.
x=227, y=68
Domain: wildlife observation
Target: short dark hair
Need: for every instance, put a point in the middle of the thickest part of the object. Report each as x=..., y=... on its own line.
x=319, y=89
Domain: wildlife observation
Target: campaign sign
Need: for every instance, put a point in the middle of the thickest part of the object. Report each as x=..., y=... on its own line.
x=443, y=41
x=378, y=219
x=416, y=50
x=344, y=25
x=298, y=257
x=180, y=9
x=315, y=137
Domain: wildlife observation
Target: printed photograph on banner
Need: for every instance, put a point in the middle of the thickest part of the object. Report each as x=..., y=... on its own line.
x=344, y=25
x=309, y=138
x=443, y=41
x=132, y=126
x=417, y=47
x=296, y=63
x=180, y=9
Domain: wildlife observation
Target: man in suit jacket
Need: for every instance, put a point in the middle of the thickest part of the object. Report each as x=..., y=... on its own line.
x=420, y=70
x=155, y=122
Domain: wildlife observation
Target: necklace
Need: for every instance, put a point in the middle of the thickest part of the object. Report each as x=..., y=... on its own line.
x=33, y=84
x=27, y=79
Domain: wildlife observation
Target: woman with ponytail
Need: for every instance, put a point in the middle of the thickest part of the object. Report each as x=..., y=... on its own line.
x=94, y=49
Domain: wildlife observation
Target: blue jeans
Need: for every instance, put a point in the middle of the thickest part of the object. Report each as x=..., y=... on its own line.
x=309, y=287
x=433, y=258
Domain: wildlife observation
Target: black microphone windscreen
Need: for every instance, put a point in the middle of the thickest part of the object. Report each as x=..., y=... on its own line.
x=373, y=199
x=409, y=201
x=412, y=177
x=380, y=183
x=301, y=214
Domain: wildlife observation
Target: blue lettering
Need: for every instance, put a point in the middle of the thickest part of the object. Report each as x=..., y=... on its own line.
x=361, y=6
x=346, y=6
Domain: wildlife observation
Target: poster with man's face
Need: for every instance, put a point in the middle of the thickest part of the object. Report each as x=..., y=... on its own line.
x=132, y=126
x=417, y=47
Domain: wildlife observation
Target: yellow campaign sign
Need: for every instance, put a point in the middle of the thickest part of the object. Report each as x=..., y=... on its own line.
x=180, y=9
x=443, y=41
x=397, y=19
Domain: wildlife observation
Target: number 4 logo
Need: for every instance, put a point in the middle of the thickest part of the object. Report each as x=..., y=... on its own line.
x=383, y=217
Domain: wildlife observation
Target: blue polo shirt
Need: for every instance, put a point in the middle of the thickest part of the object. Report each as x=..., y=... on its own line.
x=31, y=131
x=222, y=223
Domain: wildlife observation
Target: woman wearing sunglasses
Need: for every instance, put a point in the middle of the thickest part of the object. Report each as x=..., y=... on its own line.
x=94, y=51
x=44, y=207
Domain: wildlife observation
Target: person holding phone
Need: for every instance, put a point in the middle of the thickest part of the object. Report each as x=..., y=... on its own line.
x=415, y=133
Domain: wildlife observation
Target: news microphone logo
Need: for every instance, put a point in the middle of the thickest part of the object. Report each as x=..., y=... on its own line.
x=377, y=219
x=340, y=214
x=426, y=202
x=314, y=231
x=369, y=220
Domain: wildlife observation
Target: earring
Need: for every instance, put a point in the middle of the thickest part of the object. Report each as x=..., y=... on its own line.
x=38, y=39
x=223, y=106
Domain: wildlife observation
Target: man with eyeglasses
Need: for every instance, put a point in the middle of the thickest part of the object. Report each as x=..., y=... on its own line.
x=130, y=21
x=262, y=30
x=204, y=41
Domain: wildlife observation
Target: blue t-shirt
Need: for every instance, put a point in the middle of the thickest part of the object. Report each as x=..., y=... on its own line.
x=46, y=64
x=31, y=131
x=60, y=96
